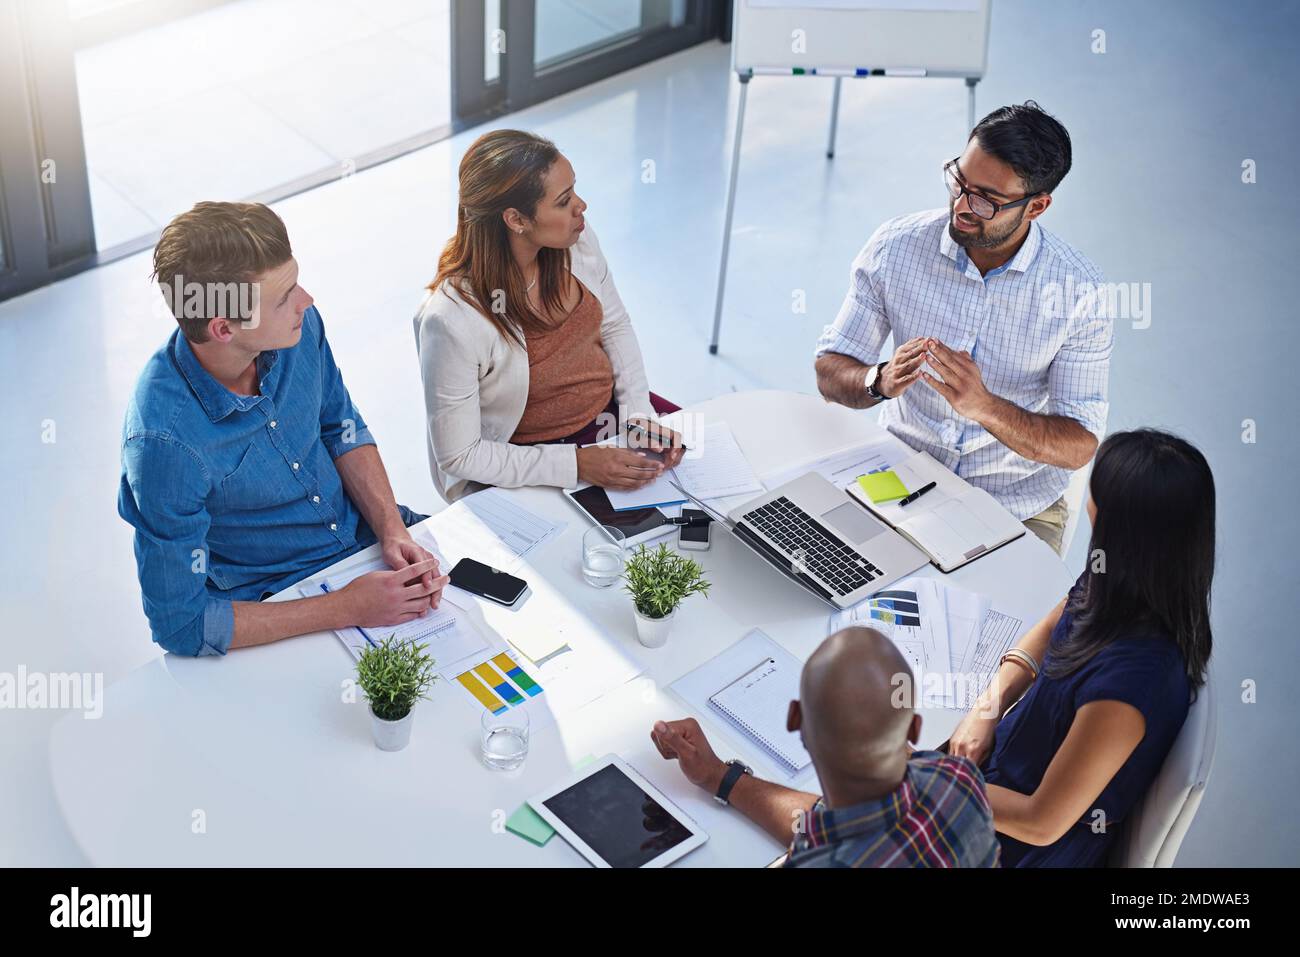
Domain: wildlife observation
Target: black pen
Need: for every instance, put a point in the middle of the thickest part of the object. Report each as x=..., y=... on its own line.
x=694, y=521
x=650, y=435
x=918, y=493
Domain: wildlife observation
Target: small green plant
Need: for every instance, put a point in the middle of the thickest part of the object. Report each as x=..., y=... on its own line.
x=394, y=677
x=660, y=580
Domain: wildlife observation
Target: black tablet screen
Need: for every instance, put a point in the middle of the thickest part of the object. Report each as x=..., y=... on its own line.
x=618, y=820
x=595, y=503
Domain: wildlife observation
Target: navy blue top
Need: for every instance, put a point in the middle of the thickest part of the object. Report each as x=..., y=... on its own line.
x=1143, y=668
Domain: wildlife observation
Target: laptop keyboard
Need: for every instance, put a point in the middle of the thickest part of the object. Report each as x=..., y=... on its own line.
x=822, y=552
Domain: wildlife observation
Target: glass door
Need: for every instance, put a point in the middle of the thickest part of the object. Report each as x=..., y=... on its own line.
x=45, y=222
x=512, y=53
x=193, y=100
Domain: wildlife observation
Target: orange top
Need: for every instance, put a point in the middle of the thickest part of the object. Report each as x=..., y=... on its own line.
x=570, y=378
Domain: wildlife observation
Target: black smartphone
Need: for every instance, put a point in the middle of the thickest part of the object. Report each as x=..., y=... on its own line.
x=488, y=582
x=695, y=537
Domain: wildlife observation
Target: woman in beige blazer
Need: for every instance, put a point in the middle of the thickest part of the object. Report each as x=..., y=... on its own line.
x=526, y=350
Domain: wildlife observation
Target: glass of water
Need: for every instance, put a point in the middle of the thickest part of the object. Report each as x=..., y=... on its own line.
x=602, y=555
x=505, y=739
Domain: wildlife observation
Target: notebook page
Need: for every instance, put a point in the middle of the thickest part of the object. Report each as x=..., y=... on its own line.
x=717, y=468
x=757, y=703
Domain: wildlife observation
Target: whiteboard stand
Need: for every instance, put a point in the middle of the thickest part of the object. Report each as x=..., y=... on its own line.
x=835, y=111
x=731, y=206
x=744, y=78
x=835, y=118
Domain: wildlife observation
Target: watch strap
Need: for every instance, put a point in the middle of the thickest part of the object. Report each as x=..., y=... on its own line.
x=734, y=772
x=873, y=389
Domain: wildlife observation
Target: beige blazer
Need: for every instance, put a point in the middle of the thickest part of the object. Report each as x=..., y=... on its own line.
x=476, y=386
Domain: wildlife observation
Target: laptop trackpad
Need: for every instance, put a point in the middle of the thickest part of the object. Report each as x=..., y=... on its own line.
x=853, y=523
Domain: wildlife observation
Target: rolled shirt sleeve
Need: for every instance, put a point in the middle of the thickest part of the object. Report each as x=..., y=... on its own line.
x=162, y=495
x=861, y=327
x=1078, y=379
x=341, y=427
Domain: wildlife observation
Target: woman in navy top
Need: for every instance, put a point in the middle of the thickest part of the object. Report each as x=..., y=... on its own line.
x=1122, y=657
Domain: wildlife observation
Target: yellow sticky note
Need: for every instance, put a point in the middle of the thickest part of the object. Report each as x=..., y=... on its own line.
x=882, y=486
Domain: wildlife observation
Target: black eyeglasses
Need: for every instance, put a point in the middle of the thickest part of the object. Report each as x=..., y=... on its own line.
x=980, y=205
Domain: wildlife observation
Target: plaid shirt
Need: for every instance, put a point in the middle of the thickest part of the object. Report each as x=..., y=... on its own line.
x=938, y=817
x=1036, y=327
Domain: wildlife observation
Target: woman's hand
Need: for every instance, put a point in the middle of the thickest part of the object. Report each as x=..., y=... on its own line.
x=657, y=438
x=616, y=468
x=973, y=738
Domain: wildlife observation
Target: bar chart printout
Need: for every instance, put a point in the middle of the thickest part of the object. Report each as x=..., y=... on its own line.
x=499, y=683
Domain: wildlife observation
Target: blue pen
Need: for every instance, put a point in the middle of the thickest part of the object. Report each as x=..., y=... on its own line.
x=325, y=588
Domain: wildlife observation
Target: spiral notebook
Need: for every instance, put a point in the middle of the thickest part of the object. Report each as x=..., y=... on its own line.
x=757, y=702
x=748, y=688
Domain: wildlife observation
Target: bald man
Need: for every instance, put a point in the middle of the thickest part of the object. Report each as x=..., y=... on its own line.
x=885, y=805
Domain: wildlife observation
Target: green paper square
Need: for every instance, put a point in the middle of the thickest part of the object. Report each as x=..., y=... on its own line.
x=883, y=486
x=527, y=824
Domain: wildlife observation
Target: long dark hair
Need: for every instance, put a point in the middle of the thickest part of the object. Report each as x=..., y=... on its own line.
x=1151, y=557
x=501, y=170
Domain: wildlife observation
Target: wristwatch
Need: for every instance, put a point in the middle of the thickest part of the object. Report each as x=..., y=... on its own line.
x=873, y=382
x=735, y=768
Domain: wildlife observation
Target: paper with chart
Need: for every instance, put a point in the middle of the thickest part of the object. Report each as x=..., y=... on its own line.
x=842, y=468
x=713, y=467
x=491, y=528
x=443, y=629
x=913, y=615
x=952, y=638
x=997, y=634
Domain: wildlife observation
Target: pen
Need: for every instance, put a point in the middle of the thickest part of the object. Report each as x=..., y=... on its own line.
x=646, y=432
x=326, y=588
x=694, y=521
x=918, y=493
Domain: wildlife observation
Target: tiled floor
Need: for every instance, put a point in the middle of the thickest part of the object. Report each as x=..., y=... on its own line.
x=239, y=100
x=1161, y=124
x=245, y=97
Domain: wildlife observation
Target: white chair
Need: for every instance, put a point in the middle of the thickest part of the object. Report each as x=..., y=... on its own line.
x=1075, y=495
x=1154, y=831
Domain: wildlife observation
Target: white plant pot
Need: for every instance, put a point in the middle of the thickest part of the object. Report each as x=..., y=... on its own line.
x=653, y=632
x=392, y=735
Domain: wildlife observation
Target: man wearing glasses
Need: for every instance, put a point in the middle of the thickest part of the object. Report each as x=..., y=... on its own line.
x=1002, y=339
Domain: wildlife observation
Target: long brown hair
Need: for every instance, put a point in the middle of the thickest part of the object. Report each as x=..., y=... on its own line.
x=503, y=169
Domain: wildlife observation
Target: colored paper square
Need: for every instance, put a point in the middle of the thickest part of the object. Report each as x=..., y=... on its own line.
x=883, y=486
x=529, y=825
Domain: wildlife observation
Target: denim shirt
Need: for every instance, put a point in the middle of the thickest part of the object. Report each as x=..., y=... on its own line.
x=235, y=497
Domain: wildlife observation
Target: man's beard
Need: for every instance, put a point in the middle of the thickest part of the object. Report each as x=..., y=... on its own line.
x=983, y=237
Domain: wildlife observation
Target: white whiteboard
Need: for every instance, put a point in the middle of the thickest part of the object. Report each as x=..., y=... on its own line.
x=941, y=37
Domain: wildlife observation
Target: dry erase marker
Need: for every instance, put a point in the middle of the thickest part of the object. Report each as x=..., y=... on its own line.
x=918, y=493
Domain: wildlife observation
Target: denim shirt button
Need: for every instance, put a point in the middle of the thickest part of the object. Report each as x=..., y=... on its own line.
x=273, y=423
x=295, y=466
x=333, y=527
x=315, y=499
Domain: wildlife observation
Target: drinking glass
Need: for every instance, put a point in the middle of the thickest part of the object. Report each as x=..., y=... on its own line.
x=602, y=555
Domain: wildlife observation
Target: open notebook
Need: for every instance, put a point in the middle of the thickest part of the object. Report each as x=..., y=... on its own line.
x=954, y=523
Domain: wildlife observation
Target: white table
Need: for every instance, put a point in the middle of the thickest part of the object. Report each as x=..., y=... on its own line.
x=259, y=747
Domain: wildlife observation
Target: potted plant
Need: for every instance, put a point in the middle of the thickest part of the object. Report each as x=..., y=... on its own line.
x=658, y=582
x=394, y=677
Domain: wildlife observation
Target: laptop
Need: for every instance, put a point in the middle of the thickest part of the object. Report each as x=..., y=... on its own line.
x=818, y=536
